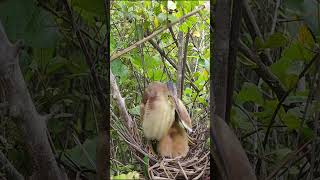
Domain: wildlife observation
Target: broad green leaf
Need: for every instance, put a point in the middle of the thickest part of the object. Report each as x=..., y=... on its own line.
x=93, y=6
x=307, y=133
x=282, y=153
x=113, y=44
x=290, y=65
x=156, y=22
x=130, y=175
x=188, y=91
x=258, y=42
x=172, y=18
x=291, y=121
x=24, y=20
x=191, y=21
x=276, y=40
x=240, y=120
x=249, y=92
x=135, y=110
x=159, y=74
x=162, y=17
x=119, y=69
x=268, y=110
x=77, y=153
x=305, y=36
x=183, y=28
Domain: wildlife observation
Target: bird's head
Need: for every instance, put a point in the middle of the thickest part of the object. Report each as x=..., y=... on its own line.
x=181, y=110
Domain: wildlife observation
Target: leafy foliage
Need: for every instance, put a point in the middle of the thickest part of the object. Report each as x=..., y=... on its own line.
x=134, y=70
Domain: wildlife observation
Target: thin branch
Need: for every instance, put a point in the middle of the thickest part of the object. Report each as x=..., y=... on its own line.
x=255, y=31
x=52, y=11
x=233, y=50
x=103, y=123
x=163, y=54
x=315, y=58
x=135, y=45
x=263, y=71
x=275, y=18
x=289, y=158
x=120, y=101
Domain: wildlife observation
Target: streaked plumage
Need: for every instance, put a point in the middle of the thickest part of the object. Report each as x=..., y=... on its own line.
x=158, y=107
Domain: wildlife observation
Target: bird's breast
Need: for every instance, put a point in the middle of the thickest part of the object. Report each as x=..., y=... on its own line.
x=158, y=117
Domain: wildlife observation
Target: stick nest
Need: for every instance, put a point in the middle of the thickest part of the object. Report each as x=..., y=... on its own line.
x=195, y=165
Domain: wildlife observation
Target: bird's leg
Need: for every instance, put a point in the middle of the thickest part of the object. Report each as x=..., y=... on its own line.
x=150, y=148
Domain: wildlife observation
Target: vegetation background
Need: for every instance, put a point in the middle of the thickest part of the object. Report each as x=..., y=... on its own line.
x=158, y=59
x=275, y=106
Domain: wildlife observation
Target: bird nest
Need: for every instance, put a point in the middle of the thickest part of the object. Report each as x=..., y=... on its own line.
x=195, y=165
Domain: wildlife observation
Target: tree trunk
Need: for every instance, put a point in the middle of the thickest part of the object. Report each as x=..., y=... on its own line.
x=22, y=109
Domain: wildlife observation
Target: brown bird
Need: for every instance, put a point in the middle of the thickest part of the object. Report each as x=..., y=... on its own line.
x=234, y=161
x=158, y=107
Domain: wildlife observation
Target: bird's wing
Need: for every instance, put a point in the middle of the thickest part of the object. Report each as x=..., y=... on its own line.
x=183, y=114
x=180, y=108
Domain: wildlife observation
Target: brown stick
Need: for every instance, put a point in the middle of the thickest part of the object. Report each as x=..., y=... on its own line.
x=120, y=101
x=135, y=45
x=103, y=123
x=290, y=157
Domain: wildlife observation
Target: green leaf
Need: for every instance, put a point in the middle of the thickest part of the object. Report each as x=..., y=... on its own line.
x=250, y=92
x=305, y=35
x=130, y=175
x=258, y=42
x=78, y=156
x=276, y=40
x=172, y=18
x=135, y=110
x=159, y=75
x=289, y=66
x=183, y=28
x=291, y=121
x=268, y=110
x=307, y=133
x=162, y=17
x=119, y=69
x=93, y=6
x=24, y=20
x=282, y=152
x=240, y=119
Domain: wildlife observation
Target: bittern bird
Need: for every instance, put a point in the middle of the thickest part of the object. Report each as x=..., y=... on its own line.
x=235, y=163
x=158, y=107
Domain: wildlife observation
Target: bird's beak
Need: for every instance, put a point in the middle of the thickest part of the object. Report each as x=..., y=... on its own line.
x=180, y=108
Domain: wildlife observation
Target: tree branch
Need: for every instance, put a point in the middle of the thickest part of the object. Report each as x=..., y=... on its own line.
x=22, y=108
x=103, y=123
x=274, y=115
x=221, y=51
x=120, y=101
x=135, y=45
x=233, y=49
x=263, y=71
x=163, y=54
x=255, y=31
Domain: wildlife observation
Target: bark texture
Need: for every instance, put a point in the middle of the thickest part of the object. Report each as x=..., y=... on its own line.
x=22, y=109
